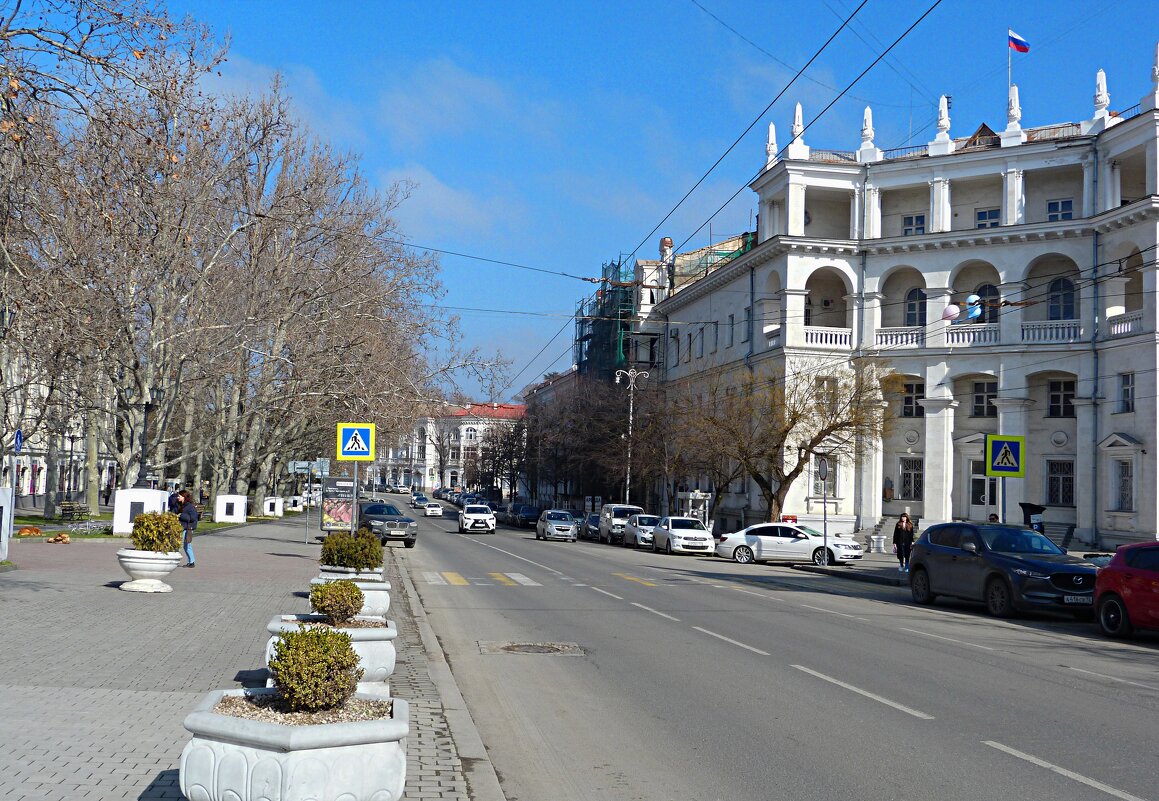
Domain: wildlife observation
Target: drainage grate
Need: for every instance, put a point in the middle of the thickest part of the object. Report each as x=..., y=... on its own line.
x=548, y=648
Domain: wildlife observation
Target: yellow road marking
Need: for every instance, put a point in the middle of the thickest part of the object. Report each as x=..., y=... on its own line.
x=626, y=577
x=502, y=579
x=456, y=579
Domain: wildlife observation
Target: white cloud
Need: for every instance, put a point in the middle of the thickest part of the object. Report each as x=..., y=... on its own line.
x=435, y=207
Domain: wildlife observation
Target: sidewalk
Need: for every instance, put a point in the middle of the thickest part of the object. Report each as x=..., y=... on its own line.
x=95, y=682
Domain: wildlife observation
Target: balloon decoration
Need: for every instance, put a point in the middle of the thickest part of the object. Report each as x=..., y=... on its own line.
x=973, y=307
x=951, y=312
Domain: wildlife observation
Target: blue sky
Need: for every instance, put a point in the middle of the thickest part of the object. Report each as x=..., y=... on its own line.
x=557, y=136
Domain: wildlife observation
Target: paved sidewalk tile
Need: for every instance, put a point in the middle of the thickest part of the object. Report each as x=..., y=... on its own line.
x=95, y=682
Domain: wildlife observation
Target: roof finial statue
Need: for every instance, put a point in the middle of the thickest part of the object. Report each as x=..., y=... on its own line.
x=771, y=148
x=943, y=116
x=1155, y=69
x=1013, y=109
x=867, y=127
x=797, y=149
x=942, y=145
x=1150, y=101
x=1102, y=98
x=798, y=122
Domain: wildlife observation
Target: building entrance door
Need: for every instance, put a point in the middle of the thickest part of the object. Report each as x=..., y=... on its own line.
x=983, y=491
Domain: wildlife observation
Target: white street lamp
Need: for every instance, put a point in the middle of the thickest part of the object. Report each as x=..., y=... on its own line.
x=631, y=374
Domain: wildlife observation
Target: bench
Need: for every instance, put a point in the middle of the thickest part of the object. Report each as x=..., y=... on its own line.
x=74, y=510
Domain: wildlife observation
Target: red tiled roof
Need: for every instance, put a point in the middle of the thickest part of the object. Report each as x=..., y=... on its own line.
x=497, y=411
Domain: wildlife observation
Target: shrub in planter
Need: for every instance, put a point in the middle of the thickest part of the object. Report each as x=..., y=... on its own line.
x=339, y=601
x=359, y=551
x=314, y=668
x=157, y=531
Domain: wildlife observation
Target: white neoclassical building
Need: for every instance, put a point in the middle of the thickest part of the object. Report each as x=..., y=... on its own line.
x=1054, y=229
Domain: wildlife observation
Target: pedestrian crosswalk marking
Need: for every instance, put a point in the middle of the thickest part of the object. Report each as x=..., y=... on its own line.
x=626, y=577
x=524, y=580
x=431, y=577
x=502, y=579
x=455, y=579
x=451, y=578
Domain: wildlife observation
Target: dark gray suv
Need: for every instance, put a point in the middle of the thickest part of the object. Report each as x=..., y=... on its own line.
x=1006, y=567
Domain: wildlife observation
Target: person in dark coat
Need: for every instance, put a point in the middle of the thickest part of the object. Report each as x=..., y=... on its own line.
x=188, y=516
x=903, y=541
x=175, y=503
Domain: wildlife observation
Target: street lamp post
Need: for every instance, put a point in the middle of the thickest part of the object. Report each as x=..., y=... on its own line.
x=156, y=395
x=631, y=374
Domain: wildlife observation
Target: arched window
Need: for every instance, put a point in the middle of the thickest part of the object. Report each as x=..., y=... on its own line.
x=1061, y=299
x=470, y=435
x=915, y=308
x=990, y=300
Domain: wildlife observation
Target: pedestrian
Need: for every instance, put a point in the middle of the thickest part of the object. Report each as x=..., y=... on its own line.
x=175, y=502
x=188, y=516
x=993, y=518
x=108, y=493
x=903, y=541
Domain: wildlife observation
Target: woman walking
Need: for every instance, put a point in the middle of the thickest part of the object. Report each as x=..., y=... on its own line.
x=903, y=541
x=188, y=516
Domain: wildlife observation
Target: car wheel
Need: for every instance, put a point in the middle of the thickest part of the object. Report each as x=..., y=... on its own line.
x=743, y=554
x=998, y=600
x=1113, y=617
x=919, y=587
x=409, y=543
x=822, y=557
x=654, y=548
x=624, y=541
x=668, y=547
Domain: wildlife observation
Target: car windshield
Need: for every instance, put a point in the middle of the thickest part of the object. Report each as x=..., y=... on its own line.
x=380, y=509
x=433, y=506
x=478, y=510
x=678, y=522
x=528, y=510
x=624, y=511
x=1015, y=540
x=562, y=516
x=594, y=519
x=812, y=532
x=646, y=520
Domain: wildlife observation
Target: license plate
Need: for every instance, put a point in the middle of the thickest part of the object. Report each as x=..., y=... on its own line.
x=1077, y=599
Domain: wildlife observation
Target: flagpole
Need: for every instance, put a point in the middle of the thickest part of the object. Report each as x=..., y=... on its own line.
x=1008, y=75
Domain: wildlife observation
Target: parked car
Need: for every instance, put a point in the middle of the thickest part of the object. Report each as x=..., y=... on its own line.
x=433, y=509
x=476, y=517
x=613, y=518
x=772, y=542
x=638, y=530
x=526, y=516
x=1127, y=590
x=1006, y=567
x=556, y=524
x=592, y=526
x=681, y=535
x=388, y=522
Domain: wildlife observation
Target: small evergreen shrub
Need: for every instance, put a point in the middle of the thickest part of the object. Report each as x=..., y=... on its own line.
x=157, y=531
x=314, y=668
x=339, y=601
x=361, y=551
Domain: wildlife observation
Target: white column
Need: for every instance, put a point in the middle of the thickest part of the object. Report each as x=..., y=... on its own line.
x=796, y=210
x=872, y=228
x=1010, y=317
x=937, y=298
x=1012, y=413
x=1086, y=452
x=1114, y=291
x=1152, y=177
x=793, y=317
x=1089, y=186
x=1114, y=188
x=856, y=214
x=870, y=471
x=938, y=484
x=1013, y=197
x=940, y=215
x=871, y=318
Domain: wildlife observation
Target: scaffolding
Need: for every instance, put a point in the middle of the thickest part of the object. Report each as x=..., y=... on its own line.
x=696, y=264
x=603, y=322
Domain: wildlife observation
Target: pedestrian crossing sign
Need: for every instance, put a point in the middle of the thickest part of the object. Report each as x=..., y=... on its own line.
x=355, y=442
x=1005, y=456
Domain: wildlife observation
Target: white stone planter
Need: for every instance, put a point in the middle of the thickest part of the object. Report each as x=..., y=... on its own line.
x=332, y=572
x=375, y=595
x=235, y=759
x=147, y=568
x=374, y=646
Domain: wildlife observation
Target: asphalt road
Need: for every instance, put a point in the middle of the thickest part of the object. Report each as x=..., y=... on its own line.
x=696, y=678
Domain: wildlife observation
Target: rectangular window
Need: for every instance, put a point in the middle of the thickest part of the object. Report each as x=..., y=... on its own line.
x=730, y=332
x=912, y=472
x=1060, y=482
x=828, y=487
x=1061, y=209
x=453, y=455
x=675, y=339
x=984, y=392
x=1124, y=486
x=1061, y=399
x=913, y=224
x=700, y=343
x=715, y=337
x=748, y=316
x=909, y=400
x=986, y=218
x=1126, y=392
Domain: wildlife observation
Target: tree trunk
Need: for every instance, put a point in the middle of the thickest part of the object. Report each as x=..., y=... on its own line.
x=92, y=469
x=183, y=479
x=52, y=477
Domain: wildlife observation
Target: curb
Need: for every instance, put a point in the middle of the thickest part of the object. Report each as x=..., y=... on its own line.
x=482, y=782
x=8, y=568
x=851, y=574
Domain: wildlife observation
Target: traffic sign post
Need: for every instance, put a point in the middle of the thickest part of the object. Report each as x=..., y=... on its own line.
x=355, y=443
x=1005, y=458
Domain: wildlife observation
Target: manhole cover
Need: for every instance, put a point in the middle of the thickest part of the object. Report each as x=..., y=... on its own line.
x=550, y=648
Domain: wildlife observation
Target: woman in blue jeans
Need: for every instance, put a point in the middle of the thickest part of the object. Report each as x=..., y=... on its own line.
x=188, y=516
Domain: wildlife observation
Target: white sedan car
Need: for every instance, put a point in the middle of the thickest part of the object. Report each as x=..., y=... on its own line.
x=638, y=530
x=556, y=524
x=476, y=517
x=433, y=509
x=681, y=535
x=783, y=542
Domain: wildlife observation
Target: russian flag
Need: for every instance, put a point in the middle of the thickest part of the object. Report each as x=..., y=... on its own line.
x=1017, y=42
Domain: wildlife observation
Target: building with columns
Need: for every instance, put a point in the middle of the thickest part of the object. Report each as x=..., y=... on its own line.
x=1044, y=239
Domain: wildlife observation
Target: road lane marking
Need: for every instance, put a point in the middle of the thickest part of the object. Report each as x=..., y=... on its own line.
x=760, y=594
x=1070, y=774
x=503, y=579
x=656, y=612
x=524, y=580
x=455, y=579
x=432, y=577
x=866, y=693
x=1113, y=678
x=950, y=639
x=830, y=611
x=514, y=555
x=609, y=594
x=730, y=640
x=626, y=577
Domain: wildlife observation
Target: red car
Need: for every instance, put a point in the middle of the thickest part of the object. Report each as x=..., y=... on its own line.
x=1127, y=590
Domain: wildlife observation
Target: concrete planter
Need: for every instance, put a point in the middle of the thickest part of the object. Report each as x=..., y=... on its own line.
x=333, y=572
x=375, y=595
x=235, y=759
x=147, y=568
x=375, y=647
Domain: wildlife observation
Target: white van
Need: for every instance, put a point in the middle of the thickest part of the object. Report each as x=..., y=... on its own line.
x=613, y=518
